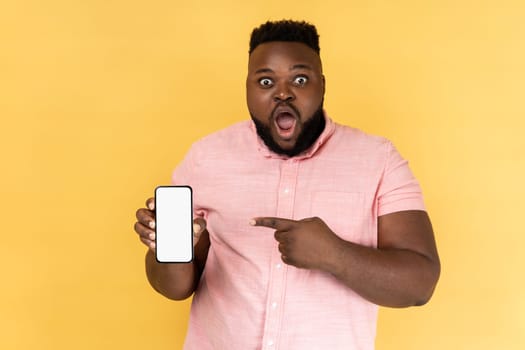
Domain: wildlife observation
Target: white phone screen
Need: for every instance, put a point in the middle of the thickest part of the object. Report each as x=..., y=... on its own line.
x=174, y=224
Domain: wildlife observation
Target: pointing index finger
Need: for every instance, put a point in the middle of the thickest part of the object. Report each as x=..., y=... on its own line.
x=275, y=223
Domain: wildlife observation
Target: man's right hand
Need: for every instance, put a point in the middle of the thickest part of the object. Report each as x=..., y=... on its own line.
x=145, y=225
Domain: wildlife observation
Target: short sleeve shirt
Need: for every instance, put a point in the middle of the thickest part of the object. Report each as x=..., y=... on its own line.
x=247, y=297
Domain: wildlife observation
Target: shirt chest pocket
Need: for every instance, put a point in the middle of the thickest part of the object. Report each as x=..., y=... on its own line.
x=345, y=214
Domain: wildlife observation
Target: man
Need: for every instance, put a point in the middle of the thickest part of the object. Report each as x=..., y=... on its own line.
x=303, y=226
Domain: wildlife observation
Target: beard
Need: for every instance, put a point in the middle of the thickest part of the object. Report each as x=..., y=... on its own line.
x=311, y=131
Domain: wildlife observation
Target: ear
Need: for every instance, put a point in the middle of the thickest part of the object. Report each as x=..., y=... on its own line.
x=324, y=84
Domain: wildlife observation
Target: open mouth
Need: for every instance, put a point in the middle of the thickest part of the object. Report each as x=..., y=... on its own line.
x=285, y=123
x=285, y=120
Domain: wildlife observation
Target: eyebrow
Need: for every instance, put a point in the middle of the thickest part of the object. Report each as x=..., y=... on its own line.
x=294, y=67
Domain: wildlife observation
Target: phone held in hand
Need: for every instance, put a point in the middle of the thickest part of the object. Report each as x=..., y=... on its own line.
x=174, y=224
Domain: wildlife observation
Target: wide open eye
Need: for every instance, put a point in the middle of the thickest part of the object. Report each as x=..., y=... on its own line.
x=300, y=80
x=266, y=82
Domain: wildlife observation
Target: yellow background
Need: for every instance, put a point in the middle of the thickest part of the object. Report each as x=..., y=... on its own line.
x=99, y=100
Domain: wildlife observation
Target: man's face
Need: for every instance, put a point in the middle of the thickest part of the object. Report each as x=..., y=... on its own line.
x=284, y=89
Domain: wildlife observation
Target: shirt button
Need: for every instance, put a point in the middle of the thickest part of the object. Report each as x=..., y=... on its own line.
x=270, y=343
x=279, y=265
x=286, y=190
x=274, y=305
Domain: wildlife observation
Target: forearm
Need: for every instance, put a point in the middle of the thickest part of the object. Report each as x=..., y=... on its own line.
x=175, y=281
x=387, y=277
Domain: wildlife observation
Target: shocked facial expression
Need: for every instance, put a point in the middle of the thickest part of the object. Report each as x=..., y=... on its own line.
x=285, y=89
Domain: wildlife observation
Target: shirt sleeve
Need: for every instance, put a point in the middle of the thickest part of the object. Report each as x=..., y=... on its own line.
x=184, y=175
x=398, y=189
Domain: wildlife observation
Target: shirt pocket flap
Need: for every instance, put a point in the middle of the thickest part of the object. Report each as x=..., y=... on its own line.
x=344, y=213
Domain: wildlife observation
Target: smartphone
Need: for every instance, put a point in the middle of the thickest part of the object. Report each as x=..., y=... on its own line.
x=174, y=224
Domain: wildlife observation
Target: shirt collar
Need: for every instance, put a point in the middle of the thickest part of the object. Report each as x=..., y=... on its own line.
x=321, y=140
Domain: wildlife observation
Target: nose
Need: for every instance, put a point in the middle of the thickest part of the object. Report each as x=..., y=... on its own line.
x=283, y=93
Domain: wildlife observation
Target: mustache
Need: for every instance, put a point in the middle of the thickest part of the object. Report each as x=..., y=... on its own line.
x=285, y=104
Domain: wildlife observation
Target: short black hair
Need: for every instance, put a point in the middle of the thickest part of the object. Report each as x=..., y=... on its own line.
x=285, y=30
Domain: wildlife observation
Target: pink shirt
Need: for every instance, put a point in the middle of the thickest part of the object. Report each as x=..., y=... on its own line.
x=247, y=297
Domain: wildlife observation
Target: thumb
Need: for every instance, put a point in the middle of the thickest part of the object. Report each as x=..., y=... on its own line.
x=199, y=225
